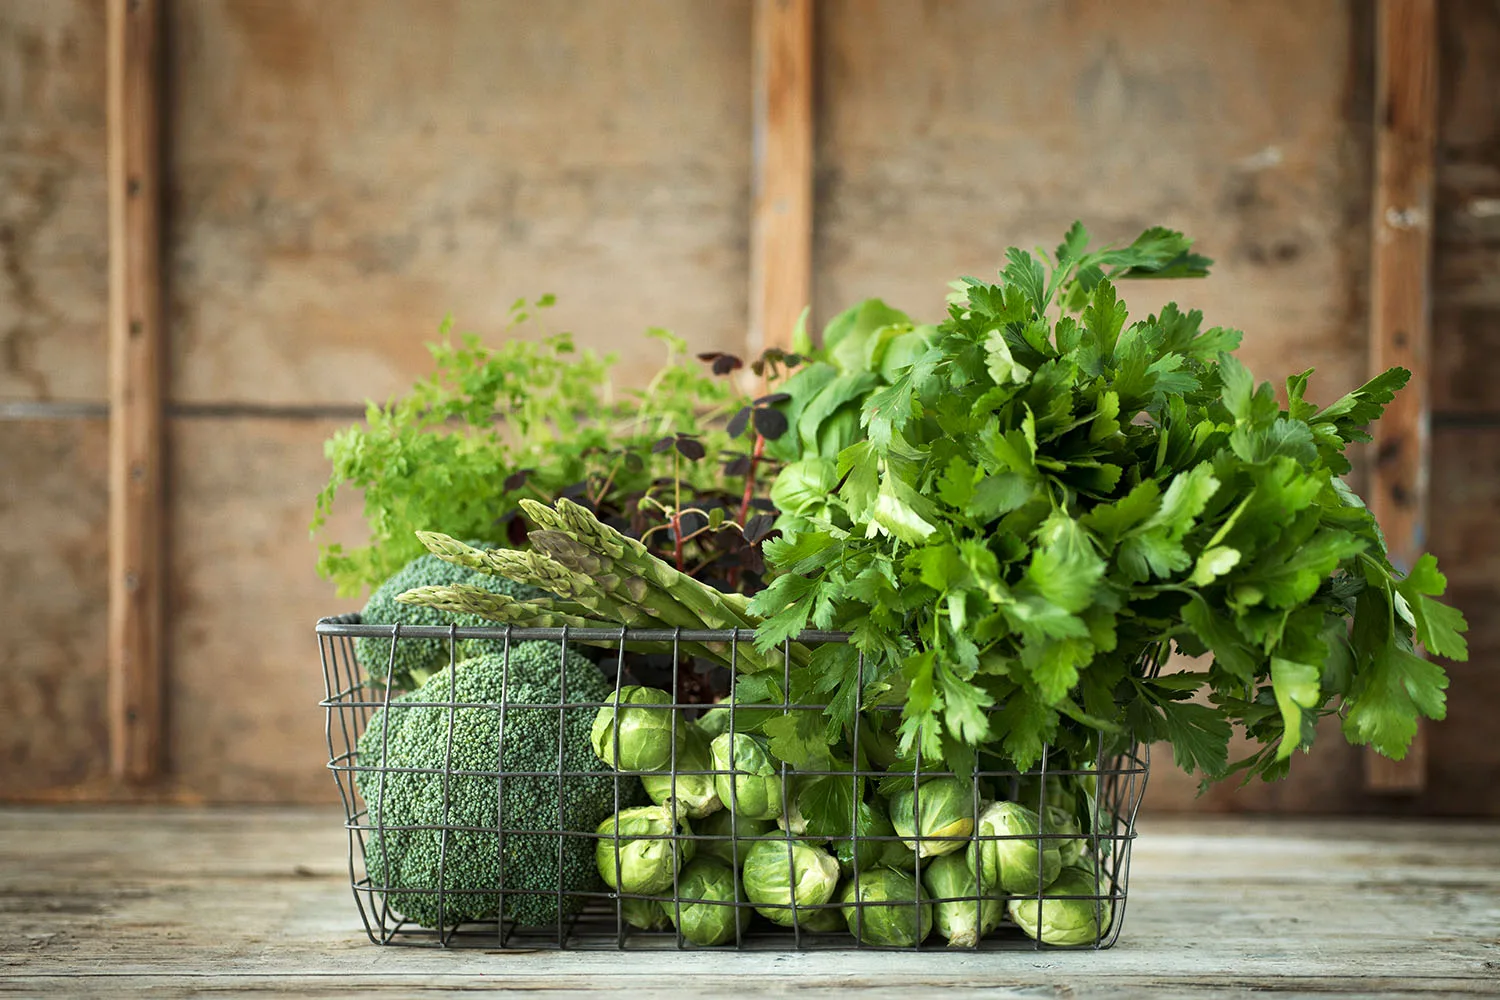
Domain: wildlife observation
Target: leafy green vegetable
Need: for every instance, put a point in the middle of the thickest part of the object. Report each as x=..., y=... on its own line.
x=1049, y=495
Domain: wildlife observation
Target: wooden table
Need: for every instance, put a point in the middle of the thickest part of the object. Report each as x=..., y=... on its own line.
x=182, y=902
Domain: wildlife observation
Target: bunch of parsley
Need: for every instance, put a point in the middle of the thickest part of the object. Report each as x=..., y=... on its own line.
x=1046, y=497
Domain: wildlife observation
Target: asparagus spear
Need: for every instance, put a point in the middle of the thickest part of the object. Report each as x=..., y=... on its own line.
x=461, y=598
x=611, y=576
x=574, y=537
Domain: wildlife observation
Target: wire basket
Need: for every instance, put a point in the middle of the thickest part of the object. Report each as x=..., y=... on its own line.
x=466, y=808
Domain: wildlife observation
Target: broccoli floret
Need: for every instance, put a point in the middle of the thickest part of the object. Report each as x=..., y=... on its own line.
x=418, y=659
x=470, y=860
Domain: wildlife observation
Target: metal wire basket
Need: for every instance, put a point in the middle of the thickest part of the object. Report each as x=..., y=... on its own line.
x=591, y=916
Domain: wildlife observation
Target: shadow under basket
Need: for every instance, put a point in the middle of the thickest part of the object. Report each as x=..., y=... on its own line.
x=477, y=863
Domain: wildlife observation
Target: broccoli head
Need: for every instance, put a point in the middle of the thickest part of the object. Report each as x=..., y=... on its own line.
x=406, y=863
x=418, y=659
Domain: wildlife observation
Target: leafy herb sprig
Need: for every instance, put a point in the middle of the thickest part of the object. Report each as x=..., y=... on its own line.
x=1045, y=496
x=534, y=418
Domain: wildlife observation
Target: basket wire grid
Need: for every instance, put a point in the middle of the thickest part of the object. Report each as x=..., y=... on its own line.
x=352, y=698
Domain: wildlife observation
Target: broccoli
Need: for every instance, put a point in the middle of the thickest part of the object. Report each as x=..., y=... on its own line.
x=470, y=860
x=417, y=659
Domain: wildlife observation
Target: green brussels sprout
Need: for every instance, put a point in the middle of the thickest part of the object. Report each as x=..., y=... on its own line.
x=1060, y=795
x=647, y=914
x=1013, y=865
x=733, y=836
x=1060, y=821
x=942, y=808
x=640, y=849
x=886, y=907
x=643, y=735
x=825, y=919
x=1066, y=921
x=696, y=794
x=715, y=721
x=961, y=913
x=873, y=822
x=779, y=873
x=751, y=786
x=707, y=923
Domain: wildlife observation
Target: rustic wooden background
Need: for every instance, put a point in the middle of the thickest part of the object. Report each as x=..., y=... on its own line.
x=338, y=176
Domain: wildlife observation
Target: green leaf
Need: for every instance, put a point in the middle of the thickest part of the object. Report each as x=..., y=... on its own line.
x=1440, y=628
x=1213, y=563
x=1025, y=273
x=797, y=737
x=1297, y=692
x=1218, y=633
x=1199, y=736
x=1003, y=368
x=998, y=494
x=1396, y=688
x=896, y=510
x=1350, y=414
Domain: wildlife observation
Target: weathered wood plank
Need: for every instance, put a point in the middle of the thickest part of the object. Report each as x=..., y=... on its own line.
x=1466, y=306
x=934, y=154
x=137, y=359
x=347, y=174
x=1406, y=120
x=186, y=900
x=244, y=597
x=53, y=230
x=54, y=504
x=781, y=235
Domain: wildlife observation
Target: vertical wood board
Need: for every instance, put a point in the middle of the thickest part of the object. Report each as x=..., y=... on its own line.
x=1401, y=305
x=136, y=360
x=781, y=234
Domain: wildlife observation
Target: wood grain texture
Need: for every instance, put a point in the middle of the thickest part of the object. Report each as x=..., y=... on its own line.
x=935, y=153
x=53, y=248
x=347, y=174
x=1466, y=294
x=781, y=234
x=137, y=358
x=185, y=902
x=53, y=589
x=245, y=680
x=1406, y=119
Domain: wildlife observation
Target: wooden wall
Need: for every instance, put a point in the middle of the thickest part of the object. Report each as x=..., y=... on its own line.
x=341, y=175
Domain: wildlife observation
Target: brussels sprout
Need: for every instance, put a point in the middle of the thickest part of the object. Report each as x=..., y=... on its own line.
x=644, y=735
x=1013, y=865
x=825, y=919
x=1060, y=795
x=639, y=850
x=715, y=721
x=707, y=923
x=873, y=822
x=943, y=808
x=696, y=794
x=734, y=835
x=647, y=914
x=961, y=913
x=883, y=908
x=750, y=787
x=1061, y=821
x=1066, y=921
x=779, y=873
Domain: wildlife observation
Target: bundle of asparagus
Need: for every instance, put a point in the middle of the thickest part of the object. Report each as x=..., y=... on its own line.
x=598, y=575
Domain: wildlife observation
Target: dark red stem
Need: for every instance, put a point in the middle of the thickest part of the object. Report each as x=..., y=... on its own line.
x=760, y=449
